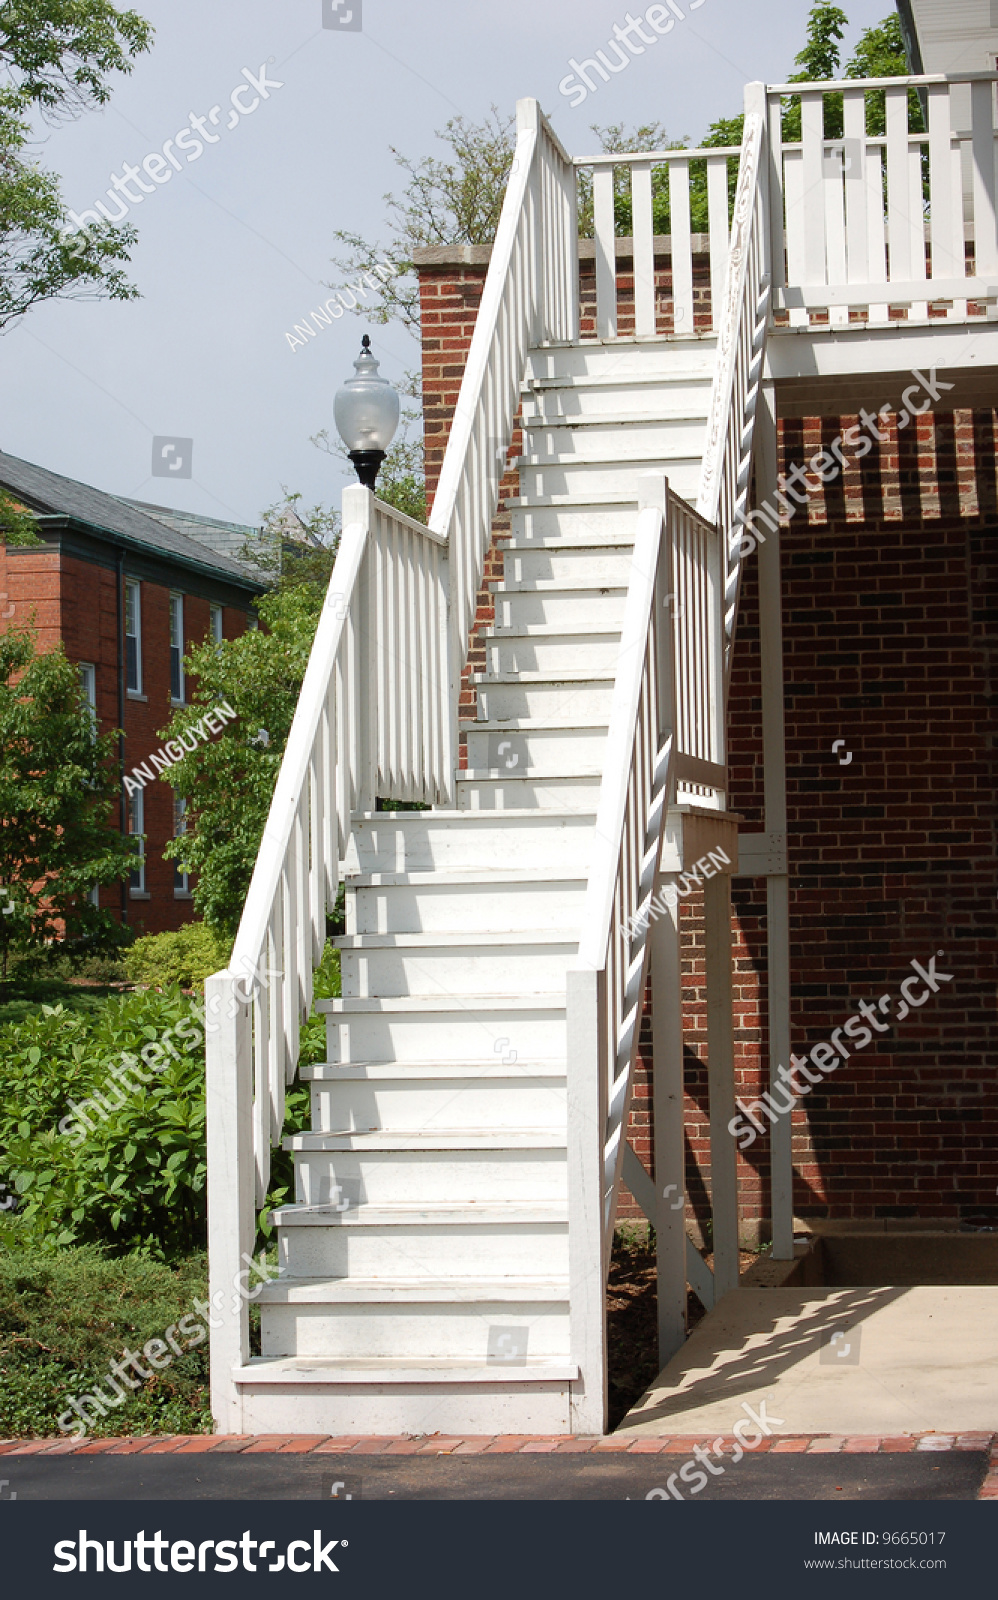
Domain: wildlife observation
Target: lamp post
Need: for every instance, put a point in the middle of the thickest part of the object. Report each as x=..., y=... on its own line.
x=366, y=409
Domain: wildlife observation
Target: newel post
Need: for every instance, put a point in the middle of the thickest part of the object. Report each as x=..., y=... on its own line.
x=586, y=1232
x=231, y=1197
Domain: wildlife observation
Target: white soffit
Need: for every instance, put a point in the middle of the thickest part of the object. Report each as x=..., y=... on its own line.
x=955, y=35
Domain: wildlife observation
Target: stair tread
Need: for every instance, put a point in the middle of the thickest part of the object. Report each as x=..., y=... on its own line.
x=394, y=1369
x=538, y=725
x=542, y=1001
x=484, y=875
x=571, y=541
x=616, y=419
x=430, y=1071
x=416, y=819
x=578, y=586
x=554, y=635
x=429, y=1139
x=622, y=463
x=426, y=1289
x=458, y=939
x=502, y=1213
x=562, y=675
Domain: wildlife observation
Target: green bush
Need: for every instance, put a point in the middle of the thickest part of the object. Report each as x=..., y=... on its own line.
x=185, y=958
x=64, y=1317
x=135, y=1178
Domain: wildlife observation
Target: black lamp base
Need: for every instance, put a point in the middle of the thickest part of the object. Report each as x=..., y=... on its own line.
x=367, y=465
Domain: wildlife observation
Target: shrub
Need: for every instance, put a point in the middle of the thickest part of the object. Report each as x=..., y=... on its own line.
x=64, y=1317
x=135, y=1178
x=185, y=958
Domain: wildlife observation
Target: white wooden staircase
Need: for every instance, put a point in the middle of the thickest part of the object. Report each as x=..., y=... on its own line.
x=443, y=1265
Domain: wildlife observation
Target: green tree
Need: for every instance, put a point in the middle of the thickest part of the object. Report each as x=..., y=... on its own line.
x=444, y=202
x=59, y=789
x=56, y=58
x=228, y=783
x=17, y=524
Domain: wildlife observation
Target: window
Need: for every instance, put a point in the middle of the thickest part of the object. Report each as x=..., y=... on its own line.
x=136, y=829
x=181, y=880
x=133, y=637
x=88, y=683
x=177, y=648
x=252, y=623
x=215, y=628
x=94, y=896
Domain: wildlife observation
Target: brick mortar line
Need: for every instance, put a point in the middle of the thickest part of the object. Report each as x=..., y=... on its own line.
x=495, y=1444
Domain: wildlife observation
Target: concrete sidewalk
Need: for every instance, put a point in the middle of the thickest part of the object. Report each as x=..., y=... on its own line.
x=885, y=1361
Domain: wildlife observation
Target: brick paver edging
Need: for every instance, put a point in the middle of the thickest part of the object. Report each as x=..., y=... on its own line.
x=506, y=1444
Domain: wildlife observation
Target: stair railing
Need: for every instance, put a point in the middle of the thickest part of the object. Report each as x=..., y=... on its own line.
x=531, y=294
x=669, y=678
x=725, y=480
x=371, y=721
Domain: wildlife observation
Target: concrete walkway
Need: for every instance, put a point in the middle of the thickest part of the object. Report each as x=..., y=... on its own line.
x=834, y=1361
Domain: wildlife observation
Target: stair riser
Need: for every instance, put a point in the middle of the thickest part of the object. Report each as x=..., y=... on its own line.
x=484, y=794
x=532, y=1250
x=446, y=1036
x=431, y=1331
x=447, y=1103
x=573, y=612
x=444, y=908
x=568, y=567
x=583, y=480
x=421, y=844
x=517, y=968
x=546, y=525
x=465, y=1410
x=690, y=398
x=632, y=441
x=670, y=361
x=568, y=653
x=561, y=705
x=349, y=1178
x=542, y=750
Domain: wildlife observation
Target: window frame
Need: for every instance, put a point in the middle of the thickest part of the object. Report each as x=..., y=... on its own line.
x=133, y=656
x=181, y=880
x=216, y=614
x=177, y=650
x=136, y=813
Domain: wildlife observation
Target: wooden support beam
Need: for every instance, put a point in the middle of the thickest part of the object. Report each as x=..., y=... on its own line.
x=669, y=1217
x=721, y=1081
x=775, y=798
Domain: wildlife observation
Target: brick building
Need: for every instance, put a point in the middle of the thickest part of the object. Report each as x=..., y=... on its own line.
x=889, y=583
x=127, y=588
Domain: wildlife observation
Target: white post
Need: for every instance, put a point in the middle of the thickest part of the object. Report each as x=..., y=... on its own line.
x=231, y=1209
x=586, y=1252
x=721, y=1081
x=667, y=1110
x=775, y=795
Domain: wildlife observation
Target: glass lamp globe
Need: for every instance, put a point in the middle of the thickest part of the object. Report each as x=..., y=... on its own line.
x=366, y=409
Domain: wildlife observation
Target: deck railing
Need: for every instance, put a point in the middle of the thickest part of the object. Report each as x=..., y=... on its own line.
x=877, y=223
x=651, y=303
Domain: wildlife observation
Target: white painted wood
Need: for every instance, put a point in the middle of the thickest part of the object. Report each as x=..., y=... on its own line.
x=919, y=308
x=812, y=207
x=775, y=800
x=945, y=202
x=229, y=1103
x=587, y=1254
x=983, y=159
x=719, y=229
x=669, y=1216
x=606, y=253
x=835, y=232
x=901, y=265
x=720, y=1076
x=858, y=268
x=644, y=249
x=682, y=246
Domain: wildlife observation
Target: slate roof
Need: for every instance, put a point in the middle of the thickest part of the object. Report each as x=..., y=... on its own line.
x=48, y=493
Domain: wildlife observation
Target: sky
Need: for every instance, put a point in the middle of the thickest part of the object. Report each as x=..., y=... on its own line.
x=235, y=247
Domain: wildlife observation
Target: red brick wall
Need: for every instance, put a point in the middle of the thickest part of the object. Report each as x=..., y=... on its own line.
x=889, y=645
x=75, y=600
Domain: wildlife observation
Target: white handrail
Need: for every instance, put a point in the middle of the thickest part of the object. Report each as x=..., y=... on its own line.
x=371, y=721
x=725, y=477
x=530, y=295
